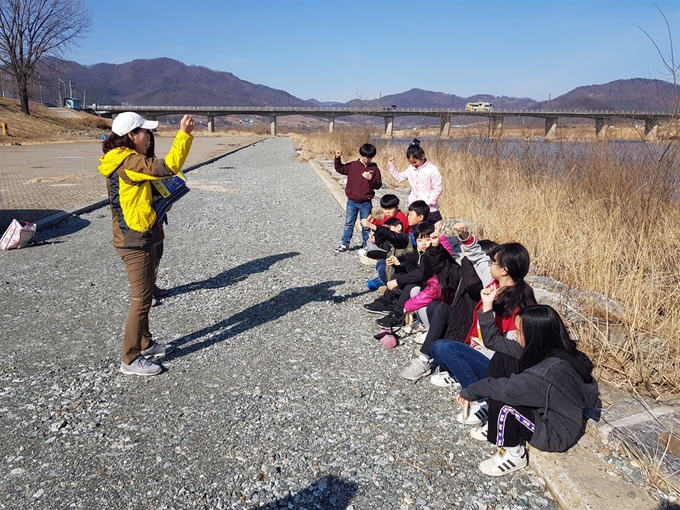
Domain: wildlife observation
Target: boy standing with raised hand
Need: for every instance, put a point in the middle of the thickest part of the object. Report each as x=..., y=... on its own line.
x=363, y=178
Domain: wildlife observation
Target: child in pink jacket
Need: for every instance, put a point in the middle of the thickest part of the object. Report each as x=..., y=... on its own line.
x=423, y=177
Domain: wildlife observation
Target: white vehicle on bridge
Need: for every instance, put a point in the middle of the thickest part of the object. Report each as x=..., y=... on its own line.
x=479, y=107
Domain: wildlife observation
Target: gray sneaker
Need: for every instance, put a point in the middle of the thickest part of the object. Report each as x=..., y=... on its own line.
x=141, y=366
x=157, y=350
x=417, y=369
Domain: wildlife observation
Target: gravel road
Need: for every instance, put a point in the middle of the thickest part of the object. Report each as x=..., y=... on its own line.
x=277, y=396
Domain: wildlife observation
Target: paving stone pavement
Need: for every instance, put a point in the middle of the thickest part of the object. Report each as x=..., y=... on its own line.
x=40, y=180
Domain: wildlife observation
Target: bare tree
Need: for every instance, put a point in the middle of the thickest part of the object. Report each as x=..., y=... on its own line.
x=33, y=29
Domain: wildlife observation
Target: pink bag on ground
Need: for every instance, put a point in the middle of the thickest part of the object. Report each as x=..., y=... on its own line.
x=17, y=235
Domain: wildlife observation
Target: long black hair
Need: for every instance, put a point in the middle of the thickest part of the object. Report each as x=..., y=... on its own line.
x=514, y=258
x=544, y=335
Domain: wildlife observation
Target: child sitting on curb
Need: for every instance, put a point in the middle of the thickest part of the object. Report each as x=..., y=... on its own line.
x=544, y=402
x=387, y=238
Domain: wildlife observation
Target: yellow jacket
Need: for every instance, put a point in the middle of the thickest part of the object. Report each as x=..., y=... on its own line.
x=129, y=177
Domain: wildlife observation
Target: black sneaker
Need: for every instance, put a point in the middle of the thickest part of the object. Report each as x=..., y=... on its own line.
x=342, y=248
x=377, y=254
x=378, y=307
x=393, y=320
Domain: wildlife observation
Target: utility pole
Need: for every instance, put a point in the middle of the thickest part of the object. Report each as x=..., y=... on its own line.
x=59, y=83
x=40, y=87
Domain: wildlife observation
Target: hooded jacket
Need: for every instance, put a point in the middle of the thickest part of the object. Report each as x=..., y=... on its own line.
x=128, y=181
x=559, y=388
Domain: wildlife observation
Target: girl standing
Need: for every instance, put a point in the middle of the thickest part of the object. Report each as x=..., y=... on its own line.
x=545, y=402
x=423, y=177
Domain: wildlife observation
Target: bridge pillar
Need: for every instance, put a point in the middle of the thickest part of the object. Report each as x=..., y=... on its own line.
x=389, y=122
x=272, y=129
x=602, y=125
x=444, y=126
x=550, y=128
x=331, y=123
x=496, y=124
x=211, y=123
x=651, y=128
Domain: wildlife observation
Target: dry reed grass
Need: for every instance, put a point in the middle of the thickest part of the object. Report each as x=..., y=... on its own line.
x=598, y=216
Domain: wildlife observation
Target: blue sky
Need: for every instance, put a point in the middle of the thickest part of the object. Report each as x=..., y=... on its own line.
x=336, y=50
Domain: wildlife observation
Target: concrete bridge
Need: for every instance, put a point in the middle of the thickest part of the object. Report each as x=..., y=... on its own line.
x=603, y=118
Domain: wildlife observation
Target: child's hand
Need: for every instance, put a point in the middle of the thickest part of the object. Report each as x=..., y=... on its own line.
x=462, y=231
x=461, y=401
x=390, y=160
x=488, y=295
x=367, y=175
x=338, y=153
x=434, y=236
x=371, y=238
x=365, y=222
x=392, y=261
x=392, y=284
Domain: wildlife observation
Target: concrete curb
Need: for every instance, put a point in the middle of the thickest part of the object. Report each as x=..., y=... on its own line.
x=578, y=478
x=54, y=219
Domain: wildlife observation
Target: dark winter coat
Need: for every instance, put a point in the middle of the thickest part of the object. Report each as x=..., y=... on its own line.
x=559, y=389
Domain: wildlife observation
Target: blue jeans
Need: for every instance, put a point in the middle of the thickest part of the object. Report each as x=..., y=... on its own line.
x=460, y=360
x=381, y=267
x=363, y=209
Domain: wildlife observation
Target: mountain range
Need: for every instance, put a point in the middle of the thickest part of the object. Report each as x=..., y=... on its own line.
x=164, y=81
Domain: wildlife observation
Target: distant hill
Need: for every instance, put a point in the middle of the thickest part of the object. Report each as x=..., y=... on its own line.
x=636, y=94
x=161, y=81
x=164, y=81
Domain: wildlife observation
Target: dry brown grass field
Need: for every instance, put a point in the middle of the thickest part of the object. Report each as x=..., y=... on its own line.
x=598, y=216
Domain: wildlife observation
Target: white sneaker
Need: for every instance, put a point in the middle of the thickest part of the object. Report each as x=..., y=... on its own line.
x=480, y=433
x=419, y=338
x=444, y=380
x=479, y=414
x=141, y=366
x=417, y=369
x=157, y=350
x=362, y=252
x=505, y=461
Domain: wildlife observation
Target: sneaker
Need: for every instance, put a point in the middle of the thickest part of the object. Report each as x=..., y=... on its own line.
x=417, y=369
x=374, y=284
x=141, y=366
x=377, y=254
x=361, y=252
x=342, y=248
x=505, y=461
x=479, y=414
x=444, y=380
x=156, y=301
x=419, y=338
x=415, y=327
x=378, y=307
x=393, y=320
x=479, y=433
x=157, y=350
x=159, y=293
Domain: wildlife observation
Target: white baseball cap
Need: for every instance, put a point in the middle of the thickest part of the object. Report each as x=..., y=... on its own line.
x=127, y=121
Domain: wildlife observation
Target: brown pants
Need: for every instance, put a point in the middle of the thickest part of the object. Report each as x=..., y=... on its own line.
x=140, y=265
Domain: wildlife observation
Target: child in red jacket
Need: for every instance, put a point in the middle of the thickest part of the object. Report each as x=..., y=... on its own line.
x=363, y=177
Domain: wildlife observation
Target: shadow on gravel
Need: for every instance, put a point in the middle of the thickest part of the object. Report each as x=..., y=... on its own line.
x=285, y=302
x=329, y=492
x=235, y=274
x=67, y=227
